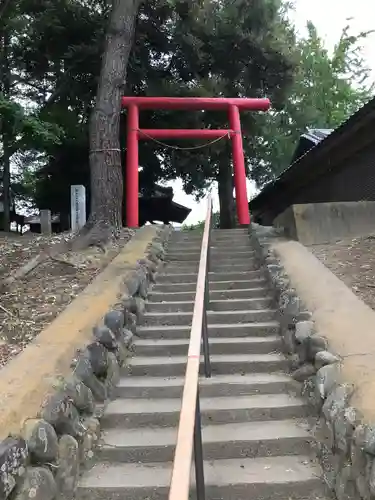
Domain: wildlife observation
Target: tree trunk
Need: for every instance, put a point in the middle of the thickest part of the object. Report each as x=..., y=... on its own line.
x=6, y=183
x=5, y=135
x=225, y=182
x=105, y=157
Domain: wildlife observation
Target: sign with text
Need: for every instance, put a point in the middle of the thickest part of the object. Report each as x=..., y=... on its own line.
x=78, y=207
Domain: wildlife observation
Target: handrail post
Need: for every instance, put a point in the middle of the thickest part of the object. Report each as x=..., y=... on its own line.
x=198, y=452
x=206, y=346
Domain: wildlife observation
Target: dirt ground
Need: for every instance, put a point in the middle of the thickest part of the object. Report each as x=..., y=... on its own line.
x=353, y=261
x=32, y=302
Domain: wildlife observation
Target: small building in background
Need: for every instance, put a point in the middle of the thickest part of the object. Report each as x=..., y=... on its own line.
x=330, y=185
x=155, y=205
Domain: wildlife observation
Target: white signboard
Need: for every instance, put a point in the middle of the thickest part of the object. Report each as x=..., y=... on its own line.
x=78, y=207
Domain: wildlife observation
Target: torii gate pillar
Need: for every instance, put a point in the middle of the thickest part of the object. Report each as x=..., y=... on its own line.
x=134, y=134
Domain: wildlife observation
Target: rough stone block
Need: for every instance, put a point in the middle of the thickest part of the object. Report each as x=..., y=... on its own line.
x=330, y=465
x=304, y=316
x=38, y=484
x=138, y=307
x=314, y=345
x=127, y=336
x=304, y=372
x=13, y=459
x=89, y=440
x=132, y=283
x=105, y=337
x=115, y=320
x=370, y=476
x=150, y=266
x=143, y=289
x=68, y=466
x=344, y=425
x=337, y=400
x=309, y=392
x=364, y=438
x=98, y=356
x=294, y=361
x=345, y=487
x=80, y=395
x=323, y=358
x=288, y=341
x=361, y=465
x=325, y=433
x=41, y=439
x=327, y=378
x=59, y=411
x=131, y=322
x=113, y=375
x=304, y=330
x=84, y=372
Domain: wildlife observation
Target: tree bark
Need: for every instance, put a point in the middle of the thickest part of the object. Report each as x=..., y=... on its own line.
x=225, y=182
x=105, y=156
x=5, y=135
x=6, y=183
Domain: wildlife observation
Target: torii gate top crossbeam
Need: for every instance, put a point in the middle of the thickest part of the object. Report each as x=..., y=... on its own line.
x=233, y=106
x=197, y=103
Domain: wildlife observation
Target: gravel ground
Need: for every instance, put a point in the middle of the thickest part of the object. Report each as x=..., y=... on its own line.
x=353, y=261
x=31, y=303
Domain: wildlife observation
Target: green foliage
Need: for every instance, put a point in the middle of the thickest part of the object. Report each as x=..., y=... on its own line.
x=28, y=131
x=327, y=89
x=200, y=225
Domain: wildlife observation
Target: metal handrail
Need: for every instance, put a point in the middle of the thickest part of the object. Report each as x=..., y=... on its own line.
x=189, y=435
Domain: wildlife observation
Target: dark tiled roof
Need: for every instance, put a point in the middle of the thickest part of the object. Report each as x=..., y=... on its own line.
x=309, y=140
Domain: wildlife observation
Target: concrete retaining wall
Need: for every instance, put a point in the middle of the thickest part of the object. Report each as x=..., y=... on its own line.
x=316, y=223
x=54, y=393
x=328, y=336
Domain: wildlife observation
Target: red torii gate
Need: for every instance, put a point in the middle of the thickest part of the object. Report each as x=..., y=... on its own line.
x=134, y=134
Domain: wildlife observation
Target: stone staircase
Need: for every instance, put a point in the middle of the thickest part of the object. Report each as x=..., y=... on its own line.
x=255, y=433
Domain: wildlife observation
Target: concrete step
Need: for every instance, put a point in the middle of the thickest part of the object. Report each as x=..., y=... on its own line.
x=240, y=241
x=256, y=329
x=131, y=413
x=182, y=268
x=266, y=478
x=218, y=276
x=217, y=260
x=213, y=317
x=215, y=305
x=245, y=293
x=224, y=285
x=225, y=441
x=215, y=239
x=170, y=366
x=181, y=254
x=232, y=345
x=216, y=234
x=220, y=385
x=217, y=252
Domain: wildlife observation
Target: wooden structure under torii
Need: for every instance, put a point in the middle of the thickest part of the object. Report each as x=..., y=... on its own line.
x=135, y=134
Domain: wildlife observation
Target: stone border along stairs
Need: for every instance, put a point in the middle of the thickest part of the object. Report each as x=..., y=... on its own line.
x=345, y=441
x=44, y=461
x=256, y=438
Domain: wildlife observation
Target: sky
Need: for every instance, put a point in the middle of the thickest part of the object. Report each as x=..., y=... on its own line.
x=329, y=17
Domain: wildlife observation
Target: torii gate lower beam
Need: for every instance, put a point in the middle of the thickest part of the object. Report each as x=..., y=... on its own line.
x=134, y=134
